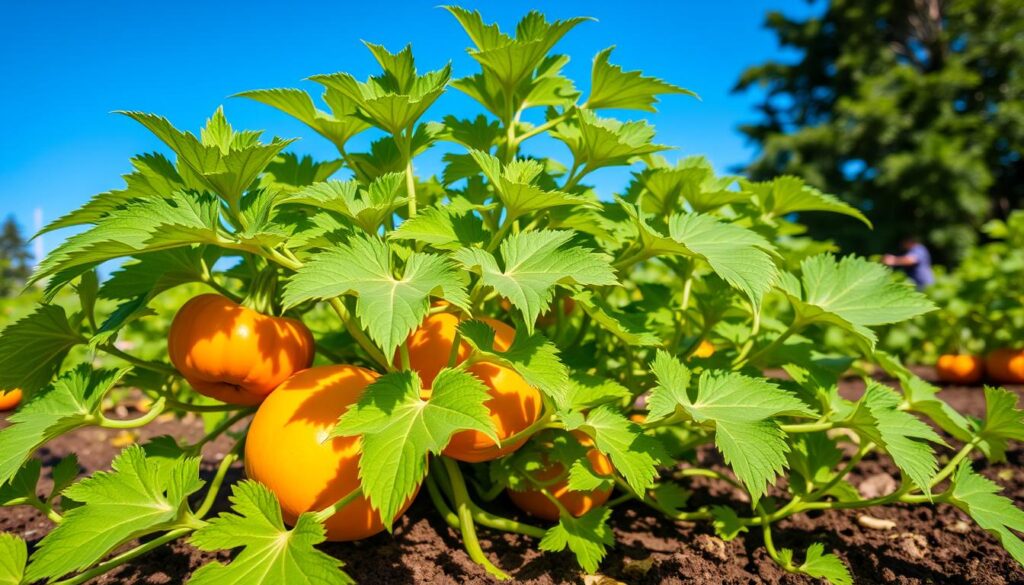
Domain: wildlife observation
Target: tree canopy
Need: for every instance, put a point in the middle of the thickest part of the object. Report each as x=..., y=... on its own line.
x=911, y=110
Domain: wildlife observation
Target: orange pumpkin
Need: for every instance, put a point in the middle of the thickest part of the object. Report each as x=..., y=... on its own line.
x=9, y=399
x=1006, y=366
x=286, y=449
x=534, y=502
x=234, y=354
x=514, y=404
x=960, y=368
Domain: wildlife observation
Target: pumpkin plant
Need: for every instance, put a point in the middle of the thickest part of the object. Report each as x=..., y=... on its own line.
x=504, y=320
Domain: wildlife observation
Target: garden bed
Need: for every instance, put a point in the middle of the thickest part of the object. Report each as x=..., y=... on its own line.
x=927, y=545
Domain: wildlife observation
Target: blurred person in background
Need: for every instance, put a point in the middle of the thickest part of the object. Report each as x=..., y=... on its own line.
x=916, y=262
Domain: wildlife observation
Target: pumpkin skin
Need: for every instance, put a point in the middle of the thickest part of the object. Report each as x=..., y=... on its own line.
x=234, y=354
x=514, y=404
x=960, y=368
x=1006, y=366
x=9, y=399
x=535, y=503
x=286, y=449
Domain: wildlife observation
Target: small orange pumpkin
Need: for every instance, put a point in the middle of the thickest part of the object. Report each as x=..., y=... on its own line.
x=233, y=353
x=960, y=368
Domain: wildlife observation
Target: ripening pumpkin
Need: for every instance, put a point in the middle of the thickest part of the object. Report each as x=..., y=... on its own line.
x=514, y=404
x=960, y=368
x=9, y=399
x=1006, y=366
x=233, y=353
x=535, y=503
x=287, y=449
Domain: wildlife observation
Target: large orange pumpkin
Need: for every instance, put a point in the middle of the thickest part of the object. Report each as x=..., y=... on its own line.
x=534, y=502
x=287, y=449
x=960, y=368
x=9, y=399
x=234, y=354
x=514, y=404
x=1006, y=365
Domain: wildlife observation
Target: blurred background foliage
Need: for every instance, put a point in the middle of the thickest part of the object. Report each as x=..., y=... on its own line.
x=911, y=110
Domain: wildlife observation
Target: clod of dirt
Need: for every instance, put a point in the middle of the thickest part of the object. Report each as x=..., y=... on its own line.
x=877, y=485
x=714, y=547
x=913, y=544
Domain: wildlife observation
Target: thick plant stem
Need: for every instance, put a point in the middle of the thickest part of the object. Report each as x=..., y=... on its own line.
x=350, y=325
x=441, y=504
x=156, y=410
x=219, y=430
x=808, y=427
x=125, y=557
x=954, y=462
x=325, y=514
x=504, y=524
x=218, y=481
x=157, y=367
x=465, y=513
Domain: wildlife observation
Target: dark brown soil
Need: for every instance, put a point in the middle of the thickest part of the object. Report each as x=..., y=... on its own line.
x=929, y=545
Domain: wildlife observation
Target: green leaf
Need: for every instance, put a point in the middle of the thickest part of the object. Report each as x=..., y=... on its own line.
x=613, y=88
x=978, y=497
x=532, y=356
x=515, y=185
x=288, y=172
x=136, y=498
x=634, y=455
x=64, y=474
x=398, y=429
x=32, y=349
x=142, y=226
x=671, y=496
x=738, y=255
x=601, y=142
x=853, y=294
x=477, y=134
x=225, y=161
x=154, y=273
x=664, y=190
x=395, y=100
x=534, y=263
x=825, y=566
x=270, y=552
x=338, y=126
x=588, y=537
x=510, y=61
x=629, y=327
x=69, y=403
x=784, y=195
x=587, y=391
x=922, y=397
x=13, y=553
x=443, y=228
x=1003, y=421
x=742, y=410
x=368, y=208
x=390, y=306
x=154, y=176
x=726, y=523
x=22, y=485
x=878, y=417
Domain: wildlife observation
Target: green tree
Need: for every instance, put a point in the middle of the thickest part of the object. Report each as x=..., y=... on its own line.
x=14, y=258
x=911, y=110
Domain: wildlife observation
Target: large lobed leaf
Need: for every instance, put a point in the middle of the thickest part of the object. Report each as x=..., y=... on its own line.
x=271, y=553
x=398, y=429
x=391, y=306
x=137, y=497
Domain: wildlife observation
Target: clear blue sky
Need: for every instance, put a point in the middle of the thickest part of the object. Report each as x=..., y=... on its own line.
x=66, y=65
